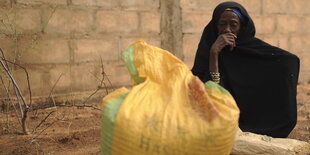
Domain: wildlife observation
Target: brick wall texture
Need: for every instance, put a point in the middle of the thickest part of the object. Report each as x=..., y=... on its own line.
x=63, y=42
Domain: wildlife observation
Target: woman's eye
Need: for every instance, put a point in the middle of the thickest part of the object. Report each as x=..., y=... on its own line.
x=234, y=24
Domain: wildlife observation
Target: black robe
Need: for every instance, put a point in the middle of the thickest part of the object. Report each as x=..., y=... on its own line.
x=262, y=78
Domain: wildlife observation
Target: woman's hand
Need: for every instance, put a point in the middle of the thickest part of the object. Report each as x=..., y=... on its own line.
x=225, y=39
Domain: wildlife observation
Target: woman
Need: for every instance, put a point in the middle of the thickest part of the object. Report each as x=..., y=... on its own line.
x=262, y=78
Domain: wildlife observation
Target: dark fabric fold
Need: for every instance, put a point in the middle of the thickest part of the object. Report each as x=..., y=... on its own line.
x=261, y=77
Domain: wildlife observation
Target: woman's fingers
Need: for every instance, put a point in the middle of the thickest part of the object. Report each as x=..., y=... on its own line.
x=226, y=39
x=234, y=35
x=231, y=40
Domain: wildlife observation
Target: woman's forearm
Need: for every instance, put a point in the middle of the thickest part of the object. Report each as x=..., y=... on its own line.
x=213, y=67
x=213, y=62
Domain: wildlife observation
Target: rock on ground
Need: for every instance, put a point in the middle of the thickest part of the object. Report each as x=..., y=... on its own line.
x=253, y=144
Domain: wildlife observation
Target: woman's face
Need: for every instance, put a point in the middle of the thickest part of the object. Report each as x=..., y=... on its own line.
x=229, y=22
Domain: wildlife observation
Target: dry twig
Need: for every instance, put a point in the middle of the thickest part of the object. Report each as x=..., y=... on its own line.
x=55, y=85
x=17, y=91
x=102, y=83
x=27, y=75
x=34, y=130
x=50, y=94
x=57, y=119
x=84, y=106
x=45, y=129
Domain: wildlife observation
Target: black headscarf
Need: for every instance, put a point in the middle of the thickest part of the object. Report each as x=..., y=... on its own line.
x=262, y=78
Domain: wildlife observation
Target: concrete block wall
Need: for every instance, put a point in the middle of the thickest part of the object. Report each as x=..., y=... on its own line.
x=64, y=40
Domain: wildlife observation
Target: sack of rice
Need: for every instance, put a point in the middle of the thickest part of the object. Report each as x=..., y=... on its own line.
x=168, y=111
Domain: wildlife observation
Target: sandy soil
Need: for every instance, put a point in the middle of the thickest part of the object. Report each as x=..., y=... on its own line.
x=73, y=130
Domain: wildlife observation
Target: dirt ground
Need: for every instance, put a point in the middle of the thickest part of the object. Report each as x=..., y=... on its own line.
x=76, y=131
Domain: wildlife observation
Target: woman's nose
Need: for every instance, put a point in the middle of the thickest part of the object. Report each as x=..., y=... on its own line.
x=227, y=29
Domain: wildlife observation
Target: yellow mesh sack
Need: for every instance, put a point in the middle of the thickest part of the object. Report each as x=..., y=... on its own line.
x=168, y=111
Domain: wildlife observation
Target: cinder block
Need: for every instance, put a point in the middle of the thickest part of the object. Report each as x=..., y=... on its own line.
x=28, y=20
x=45, y=51
x=8, y=47
x=118, y=75
x=275, y=6
x=207, y=5
x=190, y=45
x=42, y=79
x=86, y=76
x=3, y=93
x=6, y=18
x=299, y=7
x=195, y=22
x=19, y=21
x=63, y=2
x=107, y=21
x=150, y=22
x=37, y=81
x=305, y=61
x=102, y=3
x=271, y=39
x=252, y=6
x=59, y=78
x=113, y=21
x=260, y=36
x=140, y=4
x=93, y=50
x=4, y=2
x=264, y=24
x=304, y=24
x=284, y=42
x=152, y=3
x=132, y=2
x=304, y=77
x=189, y=64
x=287, y=24
x=299, y=44
x=188, y=4
x=67, y=21
x=304, y=67
x=281, y=41
x=84, y=2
